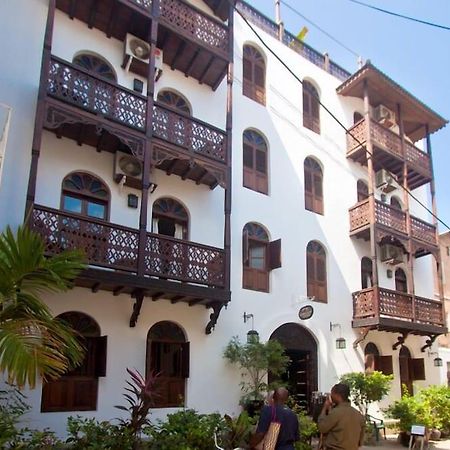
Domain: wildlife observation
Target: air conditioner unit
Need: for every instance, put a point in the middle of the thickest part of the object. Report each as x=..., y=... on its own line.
x=391, y=254
x=384, y=115
x=127, y=170
x=137, y=57
x=385, y=181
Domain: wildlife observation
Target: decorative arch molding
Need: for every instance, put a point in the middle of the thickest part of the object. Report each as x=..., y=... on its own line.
x=387, y=237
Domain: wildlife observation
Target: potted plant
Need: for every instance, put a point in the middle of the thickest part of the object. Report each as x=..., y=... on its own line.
x=255, y=359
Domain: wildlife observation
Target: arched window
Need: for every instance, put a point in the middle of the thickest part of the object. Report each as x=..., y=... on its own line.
x=95, y=64
x=395, y=203
x=401, y=283
x=255, y=251
x=85, y=194
x=313, y=186
x=371, y=355
x=316, y=272
x=357, y=117
x=170, y=218
x=255, y=175
x=311, y=107
x=175, y=101
x=254, y=74
x=77, y=390
x=168, y=355
x=366, y=273
x=363, y=190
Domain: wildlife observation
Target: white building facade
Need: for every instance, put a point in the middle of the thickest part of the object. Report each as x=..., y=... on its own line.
x=227, y=189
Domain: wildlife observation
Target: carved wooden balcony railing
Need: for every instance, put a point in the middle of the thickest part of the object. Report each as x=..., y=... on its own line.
x=78, y=87
x=94, y=94
x=390, y=143
x=192, y=134
x=396, y=311
x=393, y=218
x=116, y=247
x=192, y=23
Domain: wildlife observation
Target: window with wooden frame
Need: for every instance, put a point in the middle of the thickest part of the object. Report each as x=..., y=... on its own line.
x=168, y=355
x=316, y=272
x=374, y=361
x=313, y=186
x=411, y=369
x=401, y=283
x=254, y=75
x=366, y=273
x=260, y=256
x=175, y=101
x=77, y=390
x=86, y=195
x=357, y=116
x=170, y=218
x=311, y=107
x=255, y=157
x=363, y=190
x=396, y=203
x=95, y=64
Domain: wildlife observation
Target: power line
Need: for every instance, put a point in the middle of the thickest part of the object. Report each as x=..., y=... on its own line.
x=295, y=11
x=425, y=22
x=347, y=131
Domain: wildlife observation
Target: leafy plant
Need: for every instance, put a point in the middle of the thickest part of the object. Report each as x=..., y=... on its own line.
x=438, y=400
x=32, y=342
x=366, y=388
x=254, y=359
x=236, y=432
x=185, y=430
x=308, y=428
x=90, y=434
x=140, y=396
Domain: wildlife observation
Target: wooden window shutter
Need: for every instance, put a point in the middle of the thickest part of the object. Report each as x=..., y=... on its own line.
x=275, y=254
x=245, y=248
x=309, y=197
x=100, y=355
x=185, y=358
x=247, y=69
x=417, y=369
x=310, y=275
x=384, y=364
x=321, y=278
x=370, y=363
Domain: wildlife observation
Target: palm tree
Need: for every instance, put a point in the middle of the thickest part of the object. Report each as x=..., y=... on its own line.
x=33, y=343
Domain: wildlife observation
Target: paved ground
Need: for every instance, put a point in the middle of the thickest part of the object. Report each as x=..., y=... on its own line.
x=391, y=444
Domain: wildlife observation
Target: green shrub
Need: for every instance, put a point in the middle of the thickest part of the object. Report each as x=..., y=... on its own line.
x=236, y=431
x=184, y=430
x=438, y=400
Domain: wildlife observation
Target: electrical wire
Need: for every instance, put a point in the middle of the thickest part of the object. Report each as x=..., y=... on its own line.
x=347, y=131
x=295, y=11
x=425, y=22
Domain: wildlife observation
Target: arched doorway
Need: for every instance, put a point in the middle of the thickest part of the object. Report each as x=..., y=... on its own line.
x=301, y=374
x=404, y=360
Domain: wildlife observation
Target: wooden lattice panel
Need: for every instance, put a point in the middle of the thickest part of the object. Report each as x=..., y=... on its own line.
x=390, y=217
x=418, y=160
x=396, y=304
x=195, y=24
x=359, y=215
x=423, y=231
x=184, y=261
x=429, y=311
x=191, y=134
x=356, y=136
x=386, y=139
x=364, y=304
x=145, y=4
x=78, y=87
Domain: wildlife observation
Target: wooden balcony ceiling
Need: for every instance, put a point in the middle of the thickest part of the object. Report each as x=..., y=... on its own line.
x=220, y=8
x=383, y=89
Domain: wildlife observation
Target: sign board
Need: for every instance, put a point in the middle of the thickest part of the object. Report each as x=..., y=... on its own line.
x=306, y=312
x=418, y=430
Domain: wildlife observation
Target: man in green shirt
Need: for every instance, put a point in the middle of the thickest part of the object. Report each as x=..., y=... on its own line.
x=341, y=425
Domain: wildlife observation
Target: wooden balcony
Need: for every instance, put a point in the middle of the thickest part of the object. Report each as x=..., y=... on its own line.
x=392, y=221
x=388, y=153
x=192, y=41
x=177, y=270
x=94, y=111
x=388, y=310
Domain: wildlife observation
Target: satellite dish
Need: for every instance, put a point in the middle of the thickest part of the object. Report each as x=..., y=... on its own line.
x=140, y=49
x=130, y=166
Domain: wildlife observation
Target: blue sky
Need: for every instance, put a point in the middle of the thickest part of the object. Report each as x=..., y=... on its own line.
x=415, y=55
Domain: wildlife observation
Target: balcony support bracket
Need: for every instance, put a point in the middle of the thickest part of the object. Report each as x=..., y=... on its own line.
x=139, y=296
x=400, y=340
x=429, y=342
x=217, y=307
x=363, y=332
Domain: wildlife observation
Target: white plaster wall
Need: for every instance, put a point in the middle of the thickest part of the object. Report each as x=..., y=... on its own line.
x=18, y=90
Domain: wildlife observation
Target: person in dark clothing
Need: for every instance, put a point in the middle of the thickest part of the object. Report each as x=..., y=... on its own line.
x=278, y=412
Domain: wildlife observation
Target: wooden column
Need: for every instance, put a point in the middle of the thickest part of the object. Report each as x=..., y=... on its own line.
x=440, y=275
x=371, y=189
x=40, y=108
x=148, y=149
x=409, y=249
x=229, y=147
